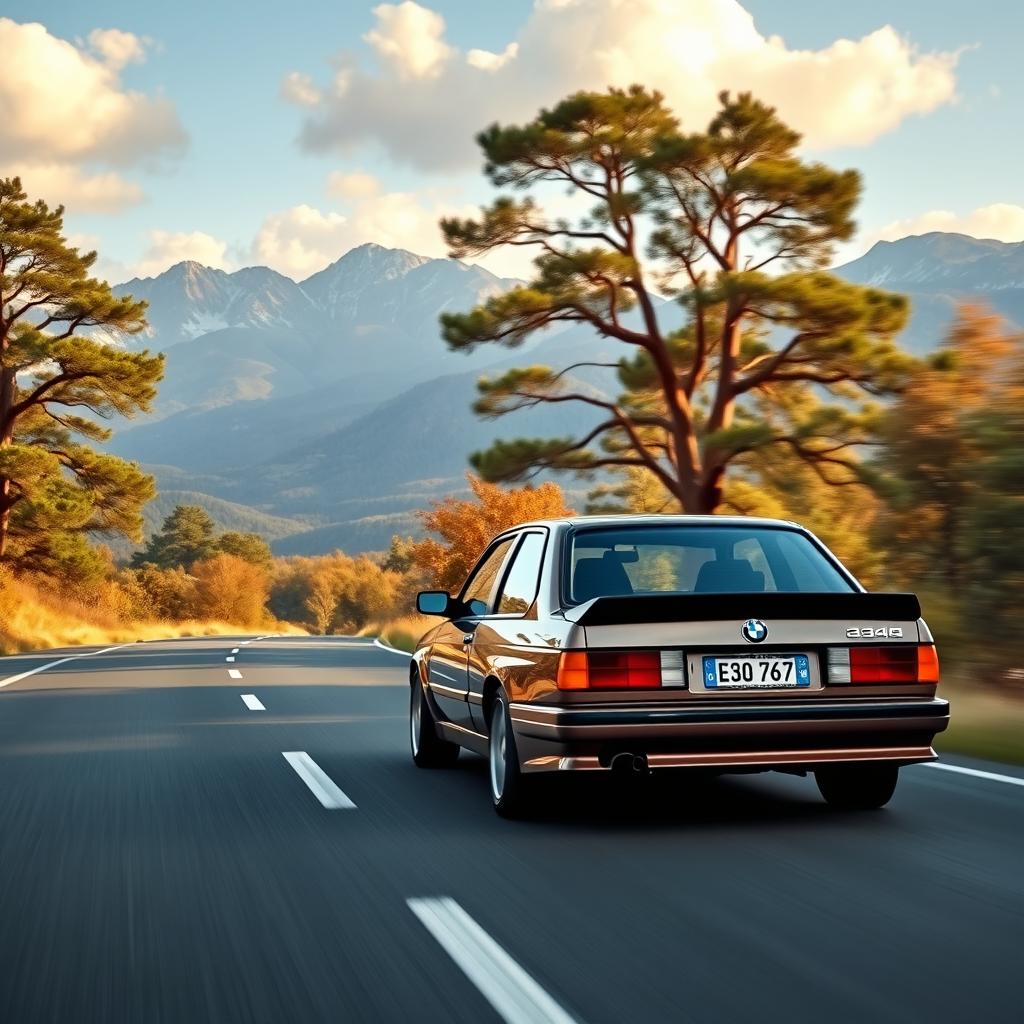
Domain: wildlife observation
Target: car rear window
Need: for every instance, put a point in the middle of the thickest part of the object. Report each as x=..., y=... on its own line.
x=613, y=561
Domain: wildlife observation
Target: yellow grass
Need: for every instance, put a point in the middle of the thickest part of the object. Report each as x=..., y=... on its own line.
x=402, y=633
x=32, y=620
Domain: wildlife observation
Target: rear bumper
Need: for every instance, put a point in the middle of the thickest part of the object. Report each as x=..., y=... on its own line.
x=797, y=734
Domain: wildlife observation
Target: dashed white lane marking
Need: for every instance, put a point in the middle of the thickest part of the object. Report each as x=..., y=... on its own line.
x=60, y=661
x=234, y=673
x=234, y=650
x=390, y=650
x=231, y=658
x=516, y=997
x=320, y=783
x=975, y=772
x=252, y=702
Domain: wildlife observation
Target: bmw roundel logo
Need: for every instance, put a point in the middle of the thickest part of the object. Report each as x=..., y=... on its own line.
x=754, y=630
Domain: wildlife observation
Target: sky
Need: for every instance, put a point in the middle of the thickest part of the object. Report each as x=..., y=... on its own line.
x=285, y=134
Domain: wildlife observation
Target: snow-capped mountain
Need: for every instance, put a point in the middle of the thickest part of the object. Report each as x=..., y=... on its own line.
x=939, y=270
x=190, y=300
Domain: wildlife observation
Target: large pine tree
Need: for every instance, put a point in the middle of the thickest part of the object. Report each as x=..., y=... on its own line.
x=56, y=388
x=776, y=354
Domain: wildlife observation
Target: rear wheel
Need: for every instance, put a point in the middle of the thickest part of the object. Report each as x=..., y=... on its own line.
x=510, y=789
x=428, y=749
x=857, y=787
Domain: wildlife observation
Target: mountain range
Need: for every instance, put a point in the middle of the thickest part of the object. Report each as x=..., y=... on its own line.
x=324, y=412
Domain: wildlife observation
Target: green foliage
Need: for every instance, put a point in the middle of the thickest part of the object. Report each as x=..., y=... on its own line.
x=186, y=537
x=53, y=487
x=770, y=365
x=250, y=547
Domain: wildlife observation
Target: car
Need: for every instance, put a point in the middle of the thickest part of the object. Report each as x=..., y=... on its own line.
x=640, y=644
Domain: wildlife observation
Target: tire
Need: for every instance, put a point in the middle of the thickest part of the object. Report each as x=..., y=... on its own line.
x=857, y=787
x=428, y=749
x=510, y=789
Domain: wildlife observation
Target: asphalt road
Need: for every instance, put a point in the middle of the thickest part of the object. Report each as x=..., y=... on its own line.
x=160, y=860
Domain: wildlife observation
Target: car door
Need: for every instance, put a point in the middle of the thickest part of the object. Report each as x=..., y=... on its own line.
x=448, y=667
x=502, y=627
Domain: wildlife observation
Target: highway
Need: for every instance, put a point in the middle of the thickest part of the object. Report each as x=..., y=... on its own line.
x=161, y=859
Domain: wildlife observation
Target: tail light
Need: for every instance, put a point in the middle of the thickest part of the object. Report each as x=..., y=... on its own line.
x=609, y=670
x=903, y=663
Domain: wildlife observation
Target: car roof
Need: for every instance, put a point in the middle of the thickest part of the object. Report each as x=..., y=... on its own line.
x=662, y=520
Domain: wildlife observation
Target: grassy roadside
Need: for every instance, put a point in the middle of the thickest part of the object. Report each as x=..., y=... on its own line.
x=984, y=723
x=33, y=621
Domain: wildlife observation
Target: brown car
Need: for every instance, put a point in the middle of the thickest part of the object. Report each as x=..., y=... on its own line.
x=640, y=643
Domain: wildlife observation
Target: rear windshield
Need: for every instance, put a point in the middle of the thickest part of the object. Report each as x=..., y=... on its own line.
x=613, y=561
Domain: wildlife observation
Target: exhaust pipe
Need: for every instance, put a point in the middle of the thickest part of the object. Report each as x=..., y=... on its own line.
x=626, y=763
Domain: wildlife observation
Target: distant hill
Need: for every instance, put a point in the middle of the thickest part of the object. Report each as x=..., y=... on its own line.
x=937, y=271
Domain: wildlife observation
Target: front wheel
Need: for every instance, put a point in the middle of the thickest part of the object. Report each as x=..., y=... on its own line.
x=428, y=749
x=857, y=787
x=509, y=787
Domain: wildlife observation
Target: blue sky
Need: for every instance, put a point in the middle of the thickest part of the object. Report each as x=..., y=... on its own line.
x=927, y=110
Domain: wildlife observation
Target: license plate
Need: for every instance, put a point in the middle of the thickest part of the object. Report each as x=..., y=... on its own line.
x=757, y=671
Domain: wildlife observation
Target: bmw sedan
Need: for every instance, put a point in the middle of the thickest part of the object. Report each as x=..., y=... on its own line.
x=646, y=643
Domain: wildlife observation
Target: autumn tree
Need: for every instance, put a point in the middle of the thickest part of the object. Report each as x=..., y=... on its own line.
x=466, y=526
x=775, y=353
x=230, y=589
x=57, y=386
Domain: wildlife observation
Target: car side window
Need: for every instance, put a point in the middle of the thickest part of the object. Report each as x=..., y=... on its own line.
x=479, y=589
x=521, y=581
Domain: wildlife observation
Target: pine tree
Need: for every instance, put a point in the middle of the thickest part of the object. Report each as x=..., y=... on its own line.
x=776, y=354
x=56, y=490
x=185, y=538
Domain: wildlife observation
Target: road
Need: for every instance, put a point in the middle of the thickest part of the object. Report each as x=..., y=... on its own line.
x=160, y=860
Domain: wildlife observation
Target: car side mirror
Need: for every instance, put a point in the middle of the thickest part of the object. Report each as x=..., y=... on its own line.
x=435, y=602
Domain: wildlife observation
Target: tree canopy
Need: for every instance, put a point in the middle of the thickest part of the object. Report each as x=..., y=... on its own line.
x=56, y=388
x=775, y=353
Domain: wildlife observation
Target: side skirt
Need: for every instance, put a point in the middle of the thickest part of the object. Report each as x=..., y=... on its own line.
x=464, y=737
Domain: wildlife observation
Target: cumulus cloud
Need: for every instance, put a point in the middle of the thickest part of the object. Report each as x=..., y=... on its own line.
x=1002, y=221
x=116, y=48
x=849, y=92
x=485, y=60
x=410, y=40
x=169, y=247
x=78, y=190
x=298, y=88
x=302, y=240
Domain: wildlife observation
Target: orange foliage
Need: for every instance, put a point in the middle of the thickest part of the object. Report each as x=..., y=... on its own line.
x=466, y=527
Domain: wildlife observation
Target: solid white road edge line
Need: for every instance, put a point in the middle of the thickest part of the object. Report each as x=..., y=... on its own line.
x=513, y=993
x=60, y=661
x=390, y=650
x=234, y=673
x=975, y=772
x=319, y=782
x=252, y=702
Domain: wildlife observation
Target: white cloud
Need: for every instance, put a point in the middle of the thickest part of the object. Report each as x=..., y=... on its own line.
x=169, y=247
x=410, y=39
x=61, y=103
x=117, y=48
x=298, y=88
x=79, y=191
x=353, y=186
x=302, y=240
x=1002, y=221
x=849, y=92
x=485, y=60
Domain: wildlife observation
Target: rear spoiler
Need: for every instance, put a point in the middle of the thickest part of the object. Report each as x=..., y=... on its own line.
x=614, y=611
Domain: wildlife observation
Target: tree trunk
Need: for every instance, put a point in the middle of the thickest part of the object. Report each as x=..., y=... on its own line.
x=8, y=396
